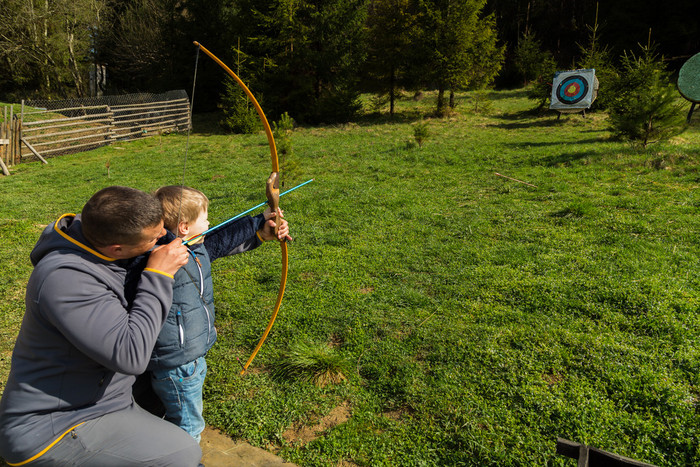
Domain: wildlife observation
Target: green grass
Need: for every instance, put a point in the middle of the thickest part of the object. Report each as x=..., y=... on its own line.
x=476, y=319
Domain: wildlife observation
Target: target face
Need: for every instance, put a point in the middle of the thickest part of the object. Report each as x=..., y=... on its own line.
x=573, y=89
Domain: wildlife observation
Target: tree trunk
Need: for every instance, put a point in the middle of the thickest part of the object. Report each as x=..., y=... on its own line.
x=43, y=46
x=452, y=99
x=392, y=90
x=441, y=101
x=75, y=71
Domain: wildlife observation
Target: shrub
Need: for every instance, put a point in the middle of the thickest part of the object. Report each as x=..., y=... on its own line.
x=421, y=132
x=644, y=107
x=282, y=131
x=239, y=114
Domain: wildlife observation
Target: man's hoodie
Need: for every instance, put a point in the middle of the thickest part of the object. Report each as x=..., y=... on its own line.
x=81, y=343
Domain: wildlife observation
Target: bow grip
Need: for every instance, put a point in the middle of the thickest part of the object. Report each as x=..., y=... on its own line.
x=272, y=191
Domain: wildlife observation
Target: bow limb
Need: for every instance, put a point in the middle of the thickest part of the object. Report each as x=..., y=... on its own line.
x=272, y=191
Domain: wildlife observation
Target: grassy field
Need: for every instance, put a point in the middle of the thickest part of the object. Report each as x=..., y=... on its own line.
x=475, y=318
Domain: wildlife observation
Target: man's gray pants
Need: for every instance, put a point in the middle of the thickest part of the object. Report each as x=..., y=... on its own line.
x=129, y=437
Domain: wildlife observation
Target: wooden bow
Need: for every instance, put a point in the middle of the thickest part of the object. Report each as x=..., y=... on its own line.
x=272, y=192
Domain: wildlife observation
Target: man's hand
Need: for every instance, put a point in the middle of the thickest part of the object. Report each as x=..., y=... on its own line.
x=169, y=258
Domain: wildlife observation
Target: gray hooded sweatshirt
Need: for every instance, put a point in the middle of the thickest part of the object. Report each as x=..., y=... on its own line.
x=81, y=343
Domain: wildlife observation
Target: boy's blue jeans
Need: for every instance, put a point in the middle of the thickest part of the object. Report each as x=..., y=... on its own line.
x=180, y=390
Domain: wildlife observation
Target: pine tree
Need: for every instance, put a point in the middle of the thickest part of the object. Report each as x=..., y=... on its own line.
x=529, y=57
x=239, y=114
x=645, y=105
x=457, y=46
x=537, y=67
x=308, y=54
x=391, y=28
x=596, y=56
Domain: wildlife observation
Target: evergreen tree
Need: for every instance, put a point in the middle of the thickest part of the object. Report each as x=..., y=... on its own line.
x=645, y=105
x=529, y=58
x=537, y=67
x=457, y=46
x=239, y=114
x=308, y=53
x=596, y=56
x=485, y=58
x=391, y=33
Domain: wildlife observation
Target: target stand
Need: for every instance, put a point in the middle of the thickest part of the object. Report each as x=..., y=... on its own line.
x=689, y=82
x=573, y=91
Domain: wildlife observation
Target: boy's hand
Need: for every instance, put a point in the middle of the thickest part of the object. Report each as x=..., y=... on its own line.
x=169, y=258
x=267, y=233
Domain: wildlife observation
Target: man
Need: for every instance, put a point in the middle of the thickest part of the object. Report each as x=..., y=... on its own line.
x=68, y=399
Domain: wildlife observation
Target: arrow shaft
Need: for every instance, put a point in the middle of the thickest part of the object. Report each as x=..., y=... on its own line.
x=237, y=216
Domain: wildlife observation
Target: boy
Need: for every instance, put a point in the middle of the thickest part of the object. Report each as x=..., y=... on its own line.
x=178, y=366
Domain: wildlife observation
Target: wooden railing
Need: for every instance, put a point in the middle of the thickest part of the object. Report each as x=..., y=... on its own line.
x=40, y=133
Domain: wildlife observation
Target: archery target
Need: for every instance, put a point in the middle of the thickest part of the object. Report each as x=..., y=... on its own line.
x=573, y=89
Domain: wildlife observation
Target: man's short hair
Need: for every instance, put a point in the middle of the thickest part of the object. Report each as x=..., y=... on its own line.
x=118, y=215
x=181, y=204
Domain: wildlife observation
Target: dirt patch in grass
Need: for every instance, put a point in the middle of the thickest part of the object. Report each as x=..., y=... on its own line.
x=303, y=434
x=399, y=413
x=553, y=379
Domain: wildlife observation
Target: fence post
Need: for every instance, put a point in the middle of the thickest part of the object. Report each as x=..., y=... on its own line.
x=19, y=134
x=11, y=127
x=34, y=151
x=112, y=130
x=4, y=142
x=18, y=141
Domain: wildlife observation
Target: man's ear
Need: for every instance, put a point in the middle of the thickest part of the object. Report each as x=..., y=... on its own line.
x=112, y=251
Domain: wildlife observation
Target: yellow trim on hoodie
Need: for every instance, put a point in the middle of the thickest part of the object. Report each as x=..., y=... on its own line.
x=76, y=242
x=45, y=450
x=160, y=272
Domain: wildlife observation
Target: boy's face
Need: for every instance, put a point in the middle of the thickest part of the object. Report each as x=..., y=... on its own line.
x=200, y=224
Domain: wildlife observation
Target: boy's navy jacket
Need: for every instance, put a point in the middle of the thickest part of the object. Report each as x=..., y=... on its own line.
x=189, y=332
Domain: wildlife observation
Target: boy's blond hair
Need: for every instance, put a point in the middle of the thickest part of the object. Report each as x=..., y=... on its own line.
x=180, y=203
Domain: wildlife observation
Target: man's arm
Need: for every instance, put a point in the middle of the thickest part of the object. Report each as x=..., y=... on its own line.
x=93, y=319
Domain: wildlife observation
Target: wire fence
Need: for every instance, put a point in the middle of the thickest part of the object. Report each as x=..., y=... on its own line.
x=45, y=128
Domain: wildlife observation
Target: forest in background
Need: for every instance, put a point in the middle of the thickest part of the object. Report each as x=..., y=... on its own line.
x=313, y=58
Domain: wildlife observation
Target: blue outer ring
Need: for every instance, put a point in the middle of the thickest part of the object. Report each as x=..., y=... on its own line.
x=583, y=89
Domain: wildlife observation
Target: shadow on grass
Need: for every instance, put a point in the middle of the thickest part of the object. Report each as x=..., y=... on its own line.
x=567, y=158
x=498, y=95
x=376, y=118
x=207, y=124
x=541, y=123
x=541, y=144
x=524, y=125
